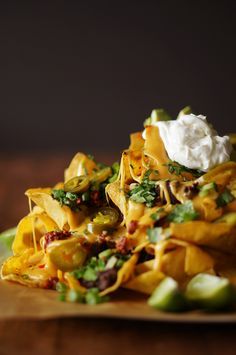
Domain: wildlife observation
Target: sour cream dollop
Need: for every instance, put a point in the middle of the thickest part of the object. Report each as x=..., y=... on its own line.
x=192, y=142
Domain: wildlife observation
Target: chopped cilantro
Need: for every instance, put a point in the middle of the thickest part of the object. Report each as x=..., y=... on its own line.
x=145, y=192
x=62, y=297
x=177, y=169
x=105, y=254
x=90, y=271
x=154, y=234
x=157, y=115
x=61, y=287
x=92, y=297
x=105, y=260
x=205, y=189
x=90, y=274
x=183, y=213
x=74, y=296
x=156, y=215
x=66, y=198
x=224, y=198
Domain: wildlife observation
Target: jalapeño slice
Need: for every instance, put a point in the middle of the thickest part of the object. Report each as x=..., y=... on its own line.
x=77, y=184
x=105, y=218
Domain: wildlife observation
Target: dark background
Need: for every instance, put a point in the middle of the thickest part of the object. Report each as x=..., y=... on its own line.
x=82, y=75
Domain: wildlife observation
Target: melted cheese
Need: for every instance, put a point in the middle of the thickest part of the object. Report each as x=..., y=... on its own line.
x=154, y=149
x=33, y=226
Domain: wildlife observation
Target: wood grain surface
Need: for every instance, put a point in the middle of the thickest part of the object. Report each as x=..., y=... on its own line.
x=90, y=336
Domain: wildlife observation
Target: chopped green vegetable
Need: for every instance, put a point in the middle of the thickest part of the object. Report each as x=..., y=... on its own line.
x=167, y=297
x=92, y=297
x=183, y=213
x=206, y=189
x=105, y=254
x=154, y=234
x=177, y=169
x=157, y=215
x=210, y=292
x=185, y=111
x=111, y=262
x=62, y=297
x=158, y=114
x=90, y=274
x=145, y=192
x=74, y=296
x=61, y=287
x=90, y=271
x=66, y=198
x=224, y=198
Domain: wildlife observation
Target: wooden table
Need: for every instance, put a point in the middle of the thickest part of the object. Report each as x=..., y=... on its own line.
x=90, y=336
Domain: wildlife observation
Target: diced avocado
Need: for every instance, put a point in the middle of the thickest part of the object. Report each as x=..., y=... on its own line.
x=210, y=292
x=185, y=111
x=167, y=297
x=158, y=114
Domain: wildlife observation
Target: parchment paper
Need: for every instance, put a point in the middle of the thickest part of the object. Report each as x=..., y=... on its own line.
x=20, y=302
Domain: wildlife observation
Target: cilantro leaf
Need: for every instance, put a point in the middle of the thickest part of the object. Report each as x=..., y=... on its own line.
x=177, y=169
x=92, y=297
x=183, y=213
x=157, y=215
x=66, y=198
x=205, y=189
x=154, y=234
x=146, y=191
x=224, y=198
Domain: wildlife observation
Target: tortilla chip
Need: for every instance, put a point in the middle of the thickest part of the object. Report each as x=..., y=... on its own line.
x=24, y=234
x=63, y=216
x=145, y=282
x=80, y=165
x=197, y=261
x=173, y=263
x=222, y=174
x=154, y=149
x=220, y=236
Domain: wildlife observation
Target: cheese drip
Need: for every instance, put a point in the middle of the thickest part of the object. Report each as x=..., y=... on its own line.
x=33, y=226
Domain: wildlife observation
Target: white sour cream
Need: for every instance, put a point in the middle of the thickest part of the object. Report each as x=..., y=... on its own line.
x=192, y=142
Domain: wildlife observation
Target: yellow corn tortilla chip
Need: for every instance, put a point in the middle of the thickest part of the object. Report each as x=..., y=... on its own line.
x=145, y=282
x=80, y=165
x=24, y=234
x=63, y=216
x=219, y=236
x=197, y=261
x=222, y=174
